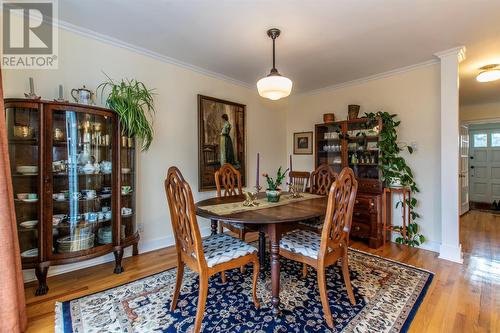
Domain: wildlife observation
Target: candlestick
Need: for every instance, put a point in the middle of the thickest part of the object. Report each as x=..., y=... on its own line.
x=32, y=86
x=258, y=173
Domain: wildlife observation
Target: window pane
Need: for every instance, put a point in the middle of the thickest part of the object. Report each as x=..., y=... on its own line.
x=495, y=139
x=480, y=140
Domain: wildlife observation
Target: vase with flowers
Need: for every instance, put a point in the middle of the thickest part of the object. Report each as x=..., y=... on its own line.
x=273, y=191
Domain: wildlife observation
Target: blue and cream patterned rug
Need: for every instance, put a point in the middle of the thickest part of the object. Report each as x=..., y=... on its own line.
x=388, y=295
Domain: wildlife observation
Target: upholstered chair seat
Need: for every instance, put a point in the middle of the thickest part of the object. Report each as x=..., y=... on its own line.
x=302, y=242
x=222, y=248
x=315, y=224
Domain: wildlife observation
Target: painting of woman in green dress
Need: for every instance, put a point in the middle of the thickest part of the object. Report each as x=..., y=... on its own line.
x=221, y=138
x=226, y=144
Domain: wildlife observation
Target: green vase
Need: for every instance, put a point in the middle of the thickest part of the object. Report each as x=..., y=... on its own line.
x=273, y=195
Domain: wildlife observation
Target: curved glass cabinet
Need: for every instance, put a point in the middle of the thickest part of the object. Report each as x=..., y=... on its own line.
x=73, y=182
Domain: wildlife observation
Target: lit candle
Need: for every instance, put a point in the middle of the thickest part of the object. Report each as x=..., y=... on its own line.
x=60, y=92
x=32, y=86
x=258, y=173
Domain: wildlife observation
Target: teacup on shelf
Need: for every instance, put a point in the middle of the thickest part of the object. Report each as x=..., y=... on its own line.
x=126, y=211
x=126, y=189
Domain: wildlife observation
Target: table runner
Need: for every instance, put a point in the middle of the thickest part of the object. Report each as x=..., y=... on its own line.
x=237, y=207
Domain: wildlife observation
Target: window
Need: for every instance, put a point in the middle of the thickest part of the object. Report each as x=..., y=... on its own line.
x=480, y=140
x=495, y=139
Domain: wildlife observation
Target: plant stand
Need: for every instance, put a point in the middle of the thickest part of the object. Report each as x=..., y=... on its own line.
x=387, y=211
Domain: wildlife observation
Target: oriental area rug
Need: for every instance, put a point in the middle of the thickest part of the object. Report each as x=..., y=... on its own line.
x=388, y=294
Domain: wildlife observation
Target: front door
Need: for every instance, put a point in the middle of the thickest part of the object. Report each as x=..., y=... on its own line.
x=464, y=169
x=485, y=165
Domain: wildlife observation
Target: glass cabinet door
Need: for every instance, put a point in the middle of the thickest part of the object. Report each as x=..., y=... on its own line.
x=330, y=146
x=362, y=149
x=24, y=137
x=82, y=182
x=127, y=157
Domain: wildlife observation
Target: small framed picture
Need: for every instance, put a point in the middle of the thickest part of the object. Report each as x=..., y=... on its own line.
x=302, y=143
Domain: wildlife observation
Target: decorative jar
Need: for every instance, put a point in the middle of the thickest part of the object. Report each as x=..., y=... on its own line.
x=273, y=195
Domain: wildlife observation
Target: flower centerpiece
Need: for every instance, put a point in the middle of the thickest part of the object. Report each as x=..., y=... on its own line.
x=273, y=190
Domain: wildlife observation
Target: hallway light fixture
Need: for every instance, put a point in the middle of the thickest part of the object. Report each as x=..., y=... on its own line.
x=274, y=86
x=489, y=73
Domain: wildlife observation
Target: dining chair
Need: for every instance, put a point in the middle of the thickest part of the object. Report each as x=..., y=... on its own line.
x=322, y=251
x=207, y=257
x=228, y=183
x=320, y=182
x=299, y=180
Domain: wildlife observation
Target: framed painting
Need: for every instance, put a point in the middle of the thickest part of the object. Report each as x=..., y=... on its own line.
x=221, y=139
x=302, y=143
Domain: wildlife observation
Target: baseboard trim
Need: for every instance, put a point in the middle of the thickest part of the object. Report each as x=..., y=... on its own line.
x=451, y=253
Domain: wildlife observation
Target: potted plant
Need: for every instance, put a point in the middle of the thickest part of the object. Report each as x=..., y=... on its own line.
x=133, y=103
x=396, y=172
x=273, y=191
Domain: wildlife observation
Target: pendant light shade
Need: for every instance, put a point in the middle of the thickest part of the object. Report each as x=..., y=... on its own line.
x=274, y=86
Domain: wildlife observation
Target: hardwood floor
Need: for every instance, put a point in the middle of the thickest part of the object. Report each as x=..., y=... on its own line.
x=462, y=298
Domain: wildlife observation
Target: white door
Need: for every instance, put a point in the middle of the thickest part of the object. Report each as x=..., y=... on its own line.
x=464, y=169
x=485, y=166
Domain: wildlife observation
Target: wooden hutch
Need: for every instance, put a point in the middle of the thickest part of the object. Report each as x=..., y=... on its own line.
x=73, y=178
x=354, y=144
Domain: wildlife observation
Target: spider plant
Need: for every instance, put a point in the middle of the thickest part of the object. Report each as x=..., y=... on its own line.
x=133, y=103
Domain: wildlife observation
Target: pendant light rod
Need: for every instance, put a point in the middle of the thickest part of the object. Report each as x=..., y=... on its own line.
x=274, y=33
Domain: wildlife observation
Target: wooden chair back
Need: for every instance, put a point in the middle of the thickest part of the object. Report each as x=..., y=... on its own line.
x=339, y=212
x=322, y=179
x=183, y=217
x=228, y=181
x=299, y=180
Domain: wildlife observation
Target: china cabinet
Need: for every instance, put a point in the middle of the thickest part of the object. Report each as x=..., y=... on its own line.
x=73, y=178
x=353, y=143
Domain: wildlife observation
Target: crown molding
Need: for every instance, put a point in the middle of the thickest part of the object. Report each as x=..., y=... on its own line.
x=145, y=52
x=365, y=79
x=458, y=51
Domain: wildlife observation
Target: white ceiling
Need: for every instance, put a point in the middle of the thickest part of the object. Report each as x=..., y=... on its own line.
x=323, y=42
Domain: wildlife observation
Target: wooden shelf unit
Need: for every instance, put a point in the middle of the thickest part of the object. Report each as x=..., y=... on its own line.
x=353, y=137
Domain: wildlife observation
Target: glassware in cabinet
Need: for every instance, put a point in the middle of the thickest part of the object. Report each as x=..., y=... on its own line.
x=82, y=184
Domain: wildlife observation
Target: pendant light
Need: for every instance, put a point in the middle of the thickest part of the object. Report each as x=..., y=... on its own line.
x=274, y=86
x=489, y=73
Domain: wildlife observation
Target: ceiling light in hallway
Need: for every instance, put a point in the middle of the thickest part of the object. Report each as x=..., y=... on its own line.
x=489, y=73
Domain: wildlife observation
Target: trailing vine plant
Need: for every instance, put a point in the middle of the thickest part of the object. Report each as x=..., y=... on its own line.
x=395, y=170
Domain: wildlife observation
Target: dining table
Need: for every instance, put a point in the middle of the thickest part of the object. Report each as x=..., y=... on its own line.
x=273, y=219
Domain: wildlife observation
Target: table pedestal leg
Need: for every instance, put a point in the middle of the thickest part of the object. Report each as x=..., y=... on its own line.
x=275, y=236
x=213, y=227
x=262, y=253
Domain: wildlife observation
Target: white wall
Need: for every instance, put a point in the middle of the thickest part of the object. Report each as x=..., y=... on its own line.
x=479, y=112
x=82, y=61
x=414, y=96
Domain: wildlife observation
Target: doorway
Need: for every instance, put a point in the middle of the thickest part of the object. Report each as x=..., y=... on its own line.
x=484, y=175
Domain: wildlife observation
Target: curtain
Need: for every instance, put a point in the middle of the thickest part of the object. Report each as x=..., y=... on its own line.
x=12, y=305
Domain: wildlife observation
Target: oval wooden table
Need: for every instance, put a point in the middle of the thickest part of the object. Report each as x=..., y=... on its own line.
x=273, y=221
